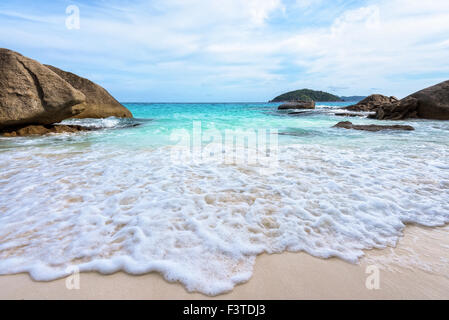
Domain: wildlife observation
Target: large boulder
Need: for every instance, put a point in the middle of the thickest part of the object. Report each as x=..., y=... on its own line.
x=430, y=103
x=99, y=103
x=297, y=105
x=371, y=103
x=30, y=93
x=402, y=109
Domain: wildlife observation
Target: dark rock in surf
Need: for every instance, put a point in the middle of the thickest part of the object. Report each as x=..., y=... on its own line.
x=372, y=127
x=347, y=114
x=44, y=129
x=371, y=103
x=297, y=105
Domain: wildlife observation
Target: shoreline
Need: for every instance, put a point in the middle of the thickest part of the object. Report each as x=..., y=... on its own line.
x=415, y=269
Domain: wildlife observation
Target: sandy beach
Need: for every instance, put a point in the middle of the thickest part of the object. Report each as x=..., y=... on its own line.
x=415, y=269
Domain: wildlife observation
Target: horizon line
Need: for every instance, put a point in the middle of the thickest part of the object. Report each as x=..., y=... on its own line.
x=213, y=102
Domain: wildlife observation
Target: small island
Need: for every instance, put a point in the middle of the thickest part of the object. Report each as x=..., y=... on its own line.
x=307, y=95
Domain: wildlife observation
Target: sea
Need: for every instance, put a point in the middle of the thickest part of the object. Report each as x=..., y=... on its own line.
x=196, y=191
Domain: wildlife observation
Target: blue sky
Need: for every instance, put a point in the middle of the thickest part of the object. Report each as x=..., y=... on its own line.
x=237, y=50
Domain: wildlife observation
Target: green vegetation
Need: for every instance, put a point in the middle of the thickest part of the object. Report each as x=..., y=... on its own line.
x=306, y=95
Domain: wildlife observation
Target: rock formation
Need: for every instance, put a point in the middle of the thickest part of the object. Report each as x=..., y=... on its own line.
x=30, y=93
x=44, y=129
x=99, y=103
x=297, y=105
x=402, y=109
x=430, y=103
x=371, y=103
x=36, y=94
x=347, y=114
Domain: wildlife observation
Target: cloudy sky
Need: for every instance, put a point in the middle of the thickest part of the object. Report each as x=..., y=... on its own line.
x=237, y=50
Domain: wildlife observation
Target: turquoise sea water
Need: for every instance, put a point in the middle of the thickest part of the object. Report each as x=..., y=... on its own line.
x=116, y=199
x=157, y=121
x=312, y=127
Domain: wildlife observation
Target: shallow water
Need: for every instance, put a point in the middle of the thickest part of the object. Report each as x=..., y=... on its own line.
x=131, y=197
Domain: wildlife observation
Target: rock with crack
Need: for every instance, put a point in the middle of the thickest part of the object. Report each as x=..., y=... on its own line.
x=30, y=93
x=372, y=127
x=99, y=103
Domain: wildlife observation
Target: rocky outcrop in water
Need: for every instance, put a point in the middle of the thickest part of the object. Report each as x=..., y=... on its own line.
x=297, y=105
x=430, y=103
x=36, y=94
x=44, y=129
x=402, y=109
x=99, y=103
x=372, y=127
x=371, y=103
x=30, y=93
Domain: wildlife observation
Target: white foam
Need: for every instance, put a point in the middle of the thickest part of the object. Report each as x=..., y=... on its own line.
x=203, y=224
x=110, y=122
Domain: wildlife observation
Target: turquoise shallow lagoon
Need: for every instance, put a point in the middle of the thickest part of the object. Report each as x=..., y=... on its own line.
x=115, y=199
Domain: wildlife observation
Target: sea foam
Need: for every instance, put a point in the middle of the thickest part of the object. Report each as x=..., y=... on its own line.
x=108, y=209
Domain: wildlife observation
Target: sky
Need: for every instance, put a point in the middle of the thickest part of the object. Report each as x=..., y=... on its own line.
x=236, y=50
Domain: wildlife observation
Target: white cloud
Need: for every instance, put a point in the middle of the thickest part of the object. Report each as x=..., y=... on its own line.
x=394, y=45
x=304, y=4
x=260, y=10
x=365, y=17
x=370, y=46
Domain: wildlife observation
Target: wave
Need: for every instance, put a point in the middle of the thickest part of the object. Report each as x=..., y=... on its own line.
x=107, y=123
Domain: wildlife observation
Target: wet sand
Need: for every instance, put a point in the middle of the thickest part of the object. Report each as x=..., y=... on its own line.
x=418, y=268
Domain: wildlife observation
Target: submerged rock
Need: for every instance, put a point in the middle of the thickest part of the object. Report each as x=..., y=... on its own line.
x=371, y=103
x=45, y=129
x=298, y=113
x=99, y=103
x=372, y=127
x=297, y=105
x=430, y=103
x=30, y=93
x=347, y=114
x=294, y=134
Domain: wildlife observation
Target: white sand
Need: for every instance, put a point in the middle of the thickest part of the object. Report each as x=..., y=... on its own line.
x=417, y=268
